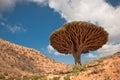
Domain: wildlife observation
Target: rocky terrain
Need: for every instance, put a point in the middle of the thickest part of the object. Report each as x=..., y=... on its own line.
x=16, y=60
x=107, y=68
x=22, y=63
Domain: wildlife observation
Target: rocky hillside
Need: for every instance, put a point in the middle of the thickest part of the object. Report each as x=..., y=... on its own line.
x=16, y=60
x=29, y=64
x=107, y=68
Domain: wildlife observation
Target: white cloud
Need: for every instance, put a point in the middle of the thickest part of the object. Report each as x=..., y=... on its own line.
x=7, y=4
x=51, y=50
x=13, y=28
x=2, y=23
x=40, y=2
x=95, y=11
x=92, y=56
x=16, y=28
x=109, y=49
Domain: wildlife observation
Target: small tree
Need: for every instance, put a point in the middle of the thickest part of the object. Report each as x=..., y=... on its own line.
x=78, y=37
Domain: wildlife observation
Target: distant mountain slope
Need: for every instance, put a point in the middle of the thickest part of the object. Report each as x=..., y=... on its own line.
x=16, y=60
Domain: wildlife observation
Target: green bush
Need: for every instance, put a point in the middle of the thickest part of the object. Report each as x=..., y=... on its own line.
x=25, y=78
x=2, y=77
x=107, y=78
x=78, y=68
x=67, y=77
x=56, y=78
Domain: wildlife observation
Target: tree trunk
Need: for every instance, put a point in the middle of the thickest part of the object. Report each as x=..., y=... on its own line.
x=77, y=58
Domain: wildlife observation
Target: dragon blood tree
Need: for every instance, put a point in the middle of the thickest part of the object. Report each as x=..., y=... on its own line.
x=78, y=37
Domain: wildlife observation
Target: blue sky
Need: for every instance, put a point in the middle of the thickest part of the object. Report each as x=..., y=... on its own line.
x=30, y=23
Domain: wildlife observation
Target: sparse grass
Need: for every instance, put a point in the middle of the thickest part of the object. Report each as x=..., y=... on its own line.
x=2, y=77
x=25, y=78
x=56, y=78
x=67, y=77
x=107, y=78
x=78, y=68
x=10, y=79
x=100, y=60
x=6, y=73
x=42, y=77
x=95, y=71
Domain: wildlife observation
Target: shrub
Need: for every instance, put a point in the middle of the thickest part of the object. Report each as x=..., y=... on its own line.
x=2, y=77
x=107, y=78
x=56, y=78
x=67, y=77
x=78, y=68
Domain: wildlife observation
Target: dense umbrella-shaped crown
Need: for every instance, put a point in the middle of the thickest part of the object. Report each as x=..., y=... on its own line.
x=78, y=37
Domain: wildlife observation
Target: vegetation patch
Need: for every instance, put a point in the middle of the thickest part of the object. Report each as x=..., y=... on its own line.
x=67, y=77
x=42, y=77
x=78, y=68
x=95, y=71
x=2, y=77
x=56, y=78
x=107, y=78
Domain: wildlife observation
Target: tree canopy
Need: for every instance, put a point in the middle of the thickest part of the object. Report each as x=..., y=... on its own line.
x=78, y=37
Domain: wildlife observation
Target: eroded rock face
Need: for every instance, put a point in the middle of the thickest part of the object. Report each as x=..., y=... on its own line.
x=19, y=60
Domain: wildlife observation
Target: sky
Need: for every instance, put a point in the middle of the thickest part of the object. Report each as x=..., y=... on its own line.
x=30, y=23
